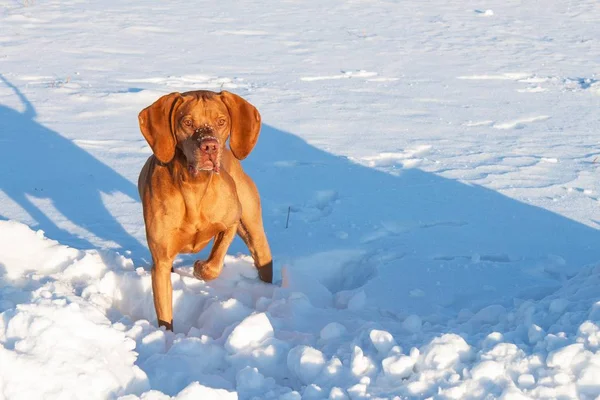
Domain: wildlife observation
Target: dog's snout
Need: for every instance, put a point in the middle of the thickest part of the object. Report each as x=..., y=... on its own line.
x=209, y=146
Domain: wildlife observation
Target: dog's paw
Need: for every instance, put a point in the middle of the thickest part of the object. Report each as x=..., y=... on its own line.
x=265, y=272
x=203, y=270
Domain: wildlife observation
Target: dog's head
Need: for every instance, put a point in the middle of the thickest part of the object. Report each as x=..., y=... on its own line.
x=199, y=123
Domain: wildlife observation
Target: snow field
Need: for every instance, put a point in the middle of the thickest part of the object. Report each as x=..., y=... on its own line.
x=87, y=317
x=438, y=162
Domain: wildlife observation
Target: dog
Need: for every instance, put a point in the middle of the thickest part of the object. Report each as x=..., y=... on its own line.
x=194, y=190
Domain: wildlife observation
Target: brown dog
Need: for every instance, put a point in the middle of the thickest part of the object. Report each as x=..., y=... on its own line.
x=193, y=189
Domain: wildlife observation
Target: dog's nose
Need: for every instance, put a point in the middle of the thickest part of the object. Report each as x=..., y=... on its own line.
x=209, y=146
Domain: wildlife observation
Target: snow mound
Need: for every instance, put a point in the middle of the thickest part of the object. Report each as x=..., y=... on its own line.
x=88, y=317
x=249, y=333
x=57, y=340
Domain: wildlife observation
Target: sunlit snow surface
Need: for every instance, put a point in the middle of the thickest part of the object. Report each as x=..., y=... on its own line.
x=438, y=161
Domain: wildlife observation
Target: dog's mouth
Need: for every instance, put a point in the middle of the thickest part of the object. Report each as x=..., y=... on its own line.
x=208, y=156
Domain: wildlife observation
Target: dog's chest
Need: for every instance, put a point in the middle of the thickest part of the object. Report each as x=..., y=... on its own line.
x=196, y=237
x=201, y=223
x=214, y=203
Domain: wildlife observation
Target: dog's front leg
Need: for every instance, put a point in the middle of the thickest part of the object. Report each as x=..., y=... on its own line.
x=211, y=268
x=163, y=292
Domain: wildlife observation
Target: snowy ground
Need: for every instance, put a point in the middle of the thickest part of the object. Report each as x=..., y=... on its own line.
x=440, y=161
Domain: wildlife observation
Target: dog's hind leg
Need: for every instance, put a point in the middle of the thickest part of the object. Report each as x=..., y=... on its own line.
x=252, y=232
x=259, y=248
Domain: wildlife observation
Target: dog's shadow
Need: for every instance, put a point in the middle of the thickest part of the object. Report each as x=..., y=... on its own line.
x=38, y=164
x=443, y=237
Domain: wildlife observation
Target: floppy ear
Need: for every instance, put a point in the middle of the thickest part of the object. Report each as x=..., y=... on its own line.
x=245, y=124
x=157, y=122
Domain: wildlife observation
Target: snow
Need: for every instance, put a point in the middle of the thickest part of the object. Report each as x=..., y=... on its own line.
x=305, y=363
x=382, y=341
x=445, y=352
x=249, y=333
x=332, y=330
x=412, y=323
x=438, y=161
x=398, y=366
x=198, y=391
x=360, y=364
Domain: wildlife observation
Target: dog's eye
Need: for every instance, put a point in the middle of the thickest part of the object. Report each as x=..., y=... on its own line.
x=187, y=122
x=221, y=121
